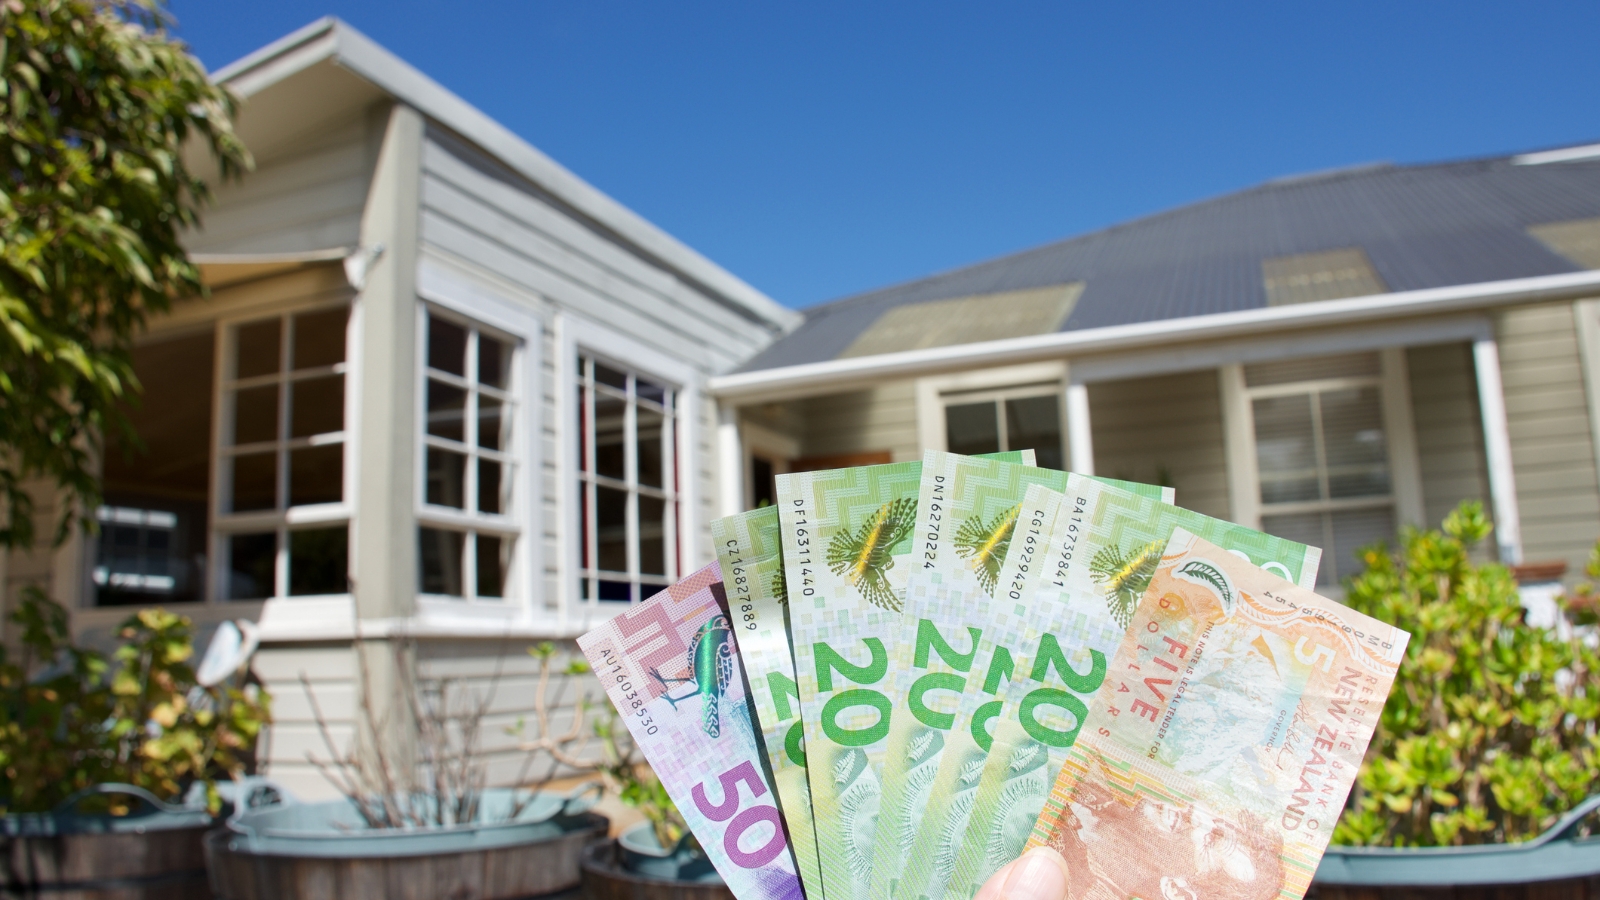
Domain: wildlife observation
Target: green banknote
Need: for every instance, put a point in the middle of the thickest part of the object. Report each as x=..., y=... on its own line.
x=1103, y=547
x=846, y=545
x=750, y=553
x=967, y=510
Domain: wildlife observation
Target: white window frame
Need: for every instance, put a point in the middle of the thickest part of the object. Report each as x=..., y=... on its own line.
x=283, y=518
x=1399, y=425
x=935, y=393
x=576, y=336
x=502, y=322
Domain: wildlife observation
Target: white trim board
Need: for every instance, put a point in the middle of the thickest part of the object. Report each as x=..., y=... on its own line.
x=1277, y=323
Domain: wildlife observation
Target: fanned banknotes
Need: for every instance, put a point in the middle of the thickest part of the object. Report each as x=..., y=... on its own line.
x=967, y=510
x=670, y=666
x=1221, y=747
x=1063, y=620
x=846, y=557
x=750, y=552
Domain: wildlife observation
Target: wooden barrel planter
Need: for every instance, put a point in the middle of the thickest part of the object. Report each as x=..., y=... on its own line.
x=319, y=850
x=153, y=853
x=1561, y=864
x=634, y=867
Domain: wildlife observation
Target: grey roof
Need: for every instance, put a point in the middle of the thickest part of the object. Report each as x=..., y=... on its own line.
x=1421, y=226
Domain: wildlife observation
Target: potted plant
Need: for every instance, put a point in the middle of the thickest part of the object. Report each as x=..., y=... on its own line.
x=1483, y=768
x=95, y=752
x=424, y=829
x=657, y=858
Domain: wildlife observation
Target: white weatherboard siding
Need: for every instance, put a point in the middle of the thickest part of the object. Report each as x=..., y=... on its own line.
x=308, y=198
x=1552, y=448
x=1143, y=426
x=331, y=671
x=1444, y=403
x=879, y=418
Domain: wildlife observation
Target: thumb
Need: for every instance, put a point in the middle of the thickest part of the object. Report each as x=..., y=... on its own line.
x=1041, y=874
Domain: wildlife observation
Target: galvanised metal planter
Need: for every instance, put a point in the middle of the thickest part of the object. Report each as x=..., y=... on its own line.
x=153, y=853
x=317, y=850
x=1561, y=864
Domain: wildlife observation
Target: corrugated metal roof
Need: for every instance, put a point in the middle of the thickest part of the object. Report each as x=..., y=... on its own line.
x=1420, y=226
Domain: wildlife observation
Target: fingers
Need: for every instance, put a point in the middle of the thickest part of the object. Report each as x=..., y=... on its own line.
x=1041, y=874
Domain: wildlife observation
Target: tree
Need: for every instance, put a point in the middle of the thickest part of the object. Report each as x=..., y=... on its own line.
x=1492, y=729
x=97, y=104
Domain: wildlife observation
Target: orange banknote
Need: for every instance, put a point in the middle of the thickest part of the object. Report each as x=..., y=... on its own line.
x=1220, y=749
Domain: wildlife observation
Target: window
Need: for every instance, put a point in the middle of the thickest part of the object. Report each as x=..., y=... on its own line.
x=1013, y=419
x=152, y=543
x=281, y=519
x=627, y=483
x=467, y=529
x=1322, y=455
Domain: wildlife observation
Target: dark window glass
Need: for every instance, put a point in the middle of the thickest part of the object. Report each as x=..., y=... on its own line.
x=648, y=390
x=1034, y=423
x=316, y=406
x=1286, y=453
x=651, y=455
x=446, y=477
x=611, y=525
x=494, y=362
x=492, y=423
x=583, y=524
x=446, y=411
x=319, y=561
x=493, y=563
x=251, y=560
x=316, y=475
x=491, y=493
x=609, y=456
x=319, y=338
x=972, y=428
x=255, y=482
x=615, y=591
x=257, y=348
x=439, y=562
x=447, y=346
x=1353, y=441
x=652, y=535
x=255, y=415
x=583, y=430
x=604, y=374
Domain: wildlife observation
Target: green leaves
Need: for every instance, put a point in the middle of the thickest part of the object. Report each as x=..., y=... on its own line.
x=81, y=720
x=97, y=105
x=1490, y=731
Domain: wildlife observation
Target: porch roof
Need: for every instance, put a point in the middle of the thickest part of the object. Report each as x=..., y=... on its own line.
x=1419, y=227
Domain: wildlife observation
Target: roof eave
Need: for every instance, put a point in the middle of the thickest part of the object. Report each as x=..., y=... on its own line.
x=330, y=37
x=813, y=379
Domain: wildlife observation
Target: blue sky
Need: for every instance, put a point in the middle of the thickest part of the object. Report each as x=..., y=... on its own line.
x=820, y=149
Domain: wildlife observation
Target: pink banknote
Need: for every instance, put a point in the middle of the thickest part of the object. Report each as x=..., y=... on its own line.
x=671, y=668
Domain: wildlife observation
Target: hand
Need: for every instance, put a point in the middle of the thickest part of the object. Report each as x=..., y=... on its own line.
x=1041, y=874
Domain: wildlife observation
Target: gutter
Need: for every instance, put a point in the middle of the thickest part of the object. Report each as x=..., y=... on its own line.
x=810, y=379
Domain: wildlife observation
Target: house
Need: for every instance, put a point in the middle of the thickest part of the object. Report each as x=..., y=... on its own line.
x=1328, y=357
x=443, y=390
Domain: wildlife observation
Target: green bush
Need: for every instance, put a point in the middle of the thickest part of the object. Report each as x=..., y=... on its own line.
x=70, y=718
x=1489, y=734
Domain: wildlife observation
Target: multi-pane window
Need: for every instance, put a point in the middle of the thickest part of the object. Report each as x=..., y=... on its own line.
x=280, y=513
x=1014, y=419
x=468, y=530
x=627, y=483
x=1322, y=456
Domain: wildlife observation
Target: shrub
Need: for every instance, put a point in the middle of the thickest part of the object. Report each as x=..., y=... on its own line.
x=70, y=718
x=1489, y=734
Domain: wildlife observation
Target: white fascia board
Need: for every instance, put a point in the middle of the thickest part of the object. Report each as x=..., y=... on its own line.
x=365, y=57
x=810, y=379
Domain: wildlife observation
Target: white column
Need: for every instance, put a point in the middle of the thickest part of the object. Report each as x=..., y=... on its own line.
x=1239, y=447
x=1080, y=440
x=730, y=461
x=1497, y=448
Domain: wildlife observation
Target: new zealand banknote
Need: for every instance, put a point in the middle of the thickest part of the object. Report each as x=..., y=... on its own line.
x=671, y=668
x=846, y=546
x=1224, y=741
x=750, y=553
x=1050, y=658
x=967, y=511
